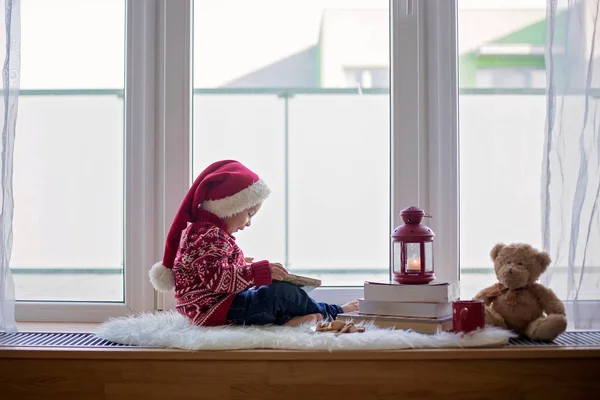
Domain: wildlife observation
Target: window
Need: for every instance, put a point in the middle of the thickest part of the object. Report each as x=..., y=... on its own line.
x=78, y=153
x=507, y=78
x=68, y=231
x=500, y=50
x=368, y=77
x=294, y=119
x=496, y=189
x=279, y=100
x=199, y=82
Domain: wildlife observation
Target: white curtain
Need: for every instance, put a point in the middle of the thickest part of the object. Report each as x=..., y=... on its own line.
x=571, y=166
x=8, y=117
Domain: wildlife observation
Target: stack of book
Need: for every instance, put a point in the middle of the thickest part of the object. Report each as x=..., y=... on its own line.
x=421, y=308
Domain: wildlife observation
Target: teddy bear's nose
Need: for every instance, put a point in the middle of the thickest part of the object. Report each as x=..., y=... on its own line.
x=510, y=270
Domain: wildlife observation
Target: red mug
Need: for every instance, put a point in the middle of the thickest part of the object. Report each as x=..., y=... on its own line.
x=467, y=315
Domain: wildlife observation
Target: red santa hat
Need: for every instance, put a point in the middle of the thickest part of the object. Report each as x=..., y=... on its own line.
x=224, y=188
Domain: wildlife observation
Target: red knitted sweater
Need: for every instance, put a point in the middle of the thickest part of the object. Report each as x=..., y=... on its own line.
x=210, y=270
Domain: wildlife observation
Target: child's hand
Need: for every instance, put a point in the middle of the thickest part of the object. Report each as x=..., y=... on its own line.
x=277, y=271
x=249, y=260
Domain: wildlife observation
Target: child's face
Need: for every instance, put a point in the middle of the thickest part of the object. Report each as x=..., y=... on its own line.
x=241, y=220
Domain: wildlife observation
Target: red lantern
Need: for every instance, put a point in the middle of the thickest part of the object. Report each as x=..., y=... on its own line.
x=412, y=249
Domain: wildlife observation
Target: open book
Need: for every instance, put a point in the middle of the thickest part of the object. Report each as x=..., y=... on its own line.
x=304, y=282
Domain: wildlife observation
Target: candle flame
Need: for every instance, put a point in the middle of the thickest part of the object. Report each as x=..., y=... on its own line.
x=414, y=264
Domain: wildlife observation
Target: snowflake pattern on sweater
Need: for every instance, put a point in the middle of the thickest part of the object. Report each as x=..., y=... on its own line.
x=210, y=270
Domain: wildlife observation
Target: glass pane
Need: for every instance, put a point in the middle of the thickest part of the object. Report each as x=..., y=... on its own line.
x=413, y=257
x=338, y=146
x=260, y=118
x=397, y=257
x=300, y=94
x=502, y=124
x=68, y=180
x=429, y=262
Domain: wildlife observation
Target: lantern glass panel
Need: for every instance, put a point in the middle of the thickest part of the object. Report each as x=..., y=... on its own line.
x=428, y=256
x=413, y=257
x=397, y=256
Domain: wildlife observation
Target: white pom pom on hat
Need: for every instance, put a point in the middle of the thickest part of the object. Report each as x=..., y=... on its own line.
x=161, y=277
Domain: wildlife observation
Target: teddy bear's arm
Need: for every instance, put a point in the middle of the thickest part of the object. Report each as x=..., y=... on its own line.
x=549, y=301
x=488, y=295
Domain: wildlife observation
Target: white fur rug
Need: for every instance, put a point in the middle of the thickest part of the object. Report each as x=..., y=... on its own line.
x=172, y=330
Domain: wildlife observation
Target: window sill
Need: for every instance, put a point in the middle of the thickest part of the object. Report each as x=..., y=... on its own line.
x=76, y=327
x=163, y=354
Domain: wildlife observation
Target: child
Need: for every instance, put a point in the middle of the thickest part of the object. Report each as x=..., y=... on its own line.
x=213, y=283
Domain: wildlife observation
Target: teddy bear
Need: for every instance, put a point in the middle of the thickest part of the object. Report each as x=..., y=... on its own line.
x=517, y=301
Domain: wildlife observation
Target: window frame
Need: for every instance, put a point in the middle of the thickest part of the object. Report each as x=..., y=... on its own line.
x=158, y=141
x=139, y=186
x=158, y=126
x=435, y=185
x=423, y=44
x=174, y=131
x=425, y=33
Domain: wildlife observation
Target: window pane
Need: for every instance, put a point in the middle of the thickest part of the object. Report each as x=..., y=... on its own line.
x=501, y=48
x=429, y=262
x=413, y=257
x=397, y=257
x=68, y=181
x=300, y=94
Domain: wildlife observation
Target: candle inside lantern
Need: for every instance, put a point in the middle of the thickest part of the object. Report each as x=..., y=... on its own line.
x=414, y=264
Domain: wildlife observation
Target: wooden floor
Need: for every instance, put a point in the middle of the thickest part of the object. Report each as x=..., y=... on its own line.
x=508, y=373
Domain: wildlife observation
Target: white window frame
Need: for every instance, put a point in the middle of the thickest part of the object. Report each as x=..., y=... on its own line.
x=423, y=158
x=424, y=128
x=426, y=112
x=139, y=236
x=158, y=149
x=175, y=128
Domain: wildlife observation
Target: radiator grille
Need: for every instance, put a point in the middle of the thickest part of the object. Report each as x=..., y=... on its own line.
x=47, y=339
x=575, y=339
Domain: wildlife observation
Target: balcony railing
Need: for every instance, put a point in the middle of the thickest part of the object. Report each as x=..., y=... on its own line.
x=334, y=142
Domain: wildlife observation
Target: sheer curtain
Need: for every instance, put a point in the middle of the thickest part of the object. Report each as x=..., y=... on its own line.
x=571, y=163
x=8, y=116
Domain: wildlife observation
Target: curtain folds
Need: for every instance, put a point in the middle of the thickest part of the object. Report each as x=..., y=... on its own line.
x=8, y=116
x=570, y=182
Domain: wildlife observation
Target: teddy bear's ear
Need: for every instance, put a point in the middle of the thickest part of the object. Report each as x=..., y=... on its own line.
x=543, y=259
x=496, y=250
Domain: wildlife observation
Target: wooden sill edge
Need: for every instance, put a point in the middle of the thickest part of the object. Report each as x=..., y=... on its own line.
x=280, y=355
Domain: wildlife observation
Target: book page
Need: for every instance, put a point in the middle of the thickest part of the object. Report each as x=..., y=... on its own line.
x=302, y=280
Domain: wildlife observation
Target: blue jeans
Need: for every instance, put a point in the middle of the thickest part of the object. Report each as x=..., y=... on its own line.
x=276, y=303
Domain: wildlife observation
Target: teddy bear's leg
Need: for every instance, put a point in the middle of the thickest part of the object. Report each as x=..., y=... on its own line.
x=493, y=318
x=547, y=328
